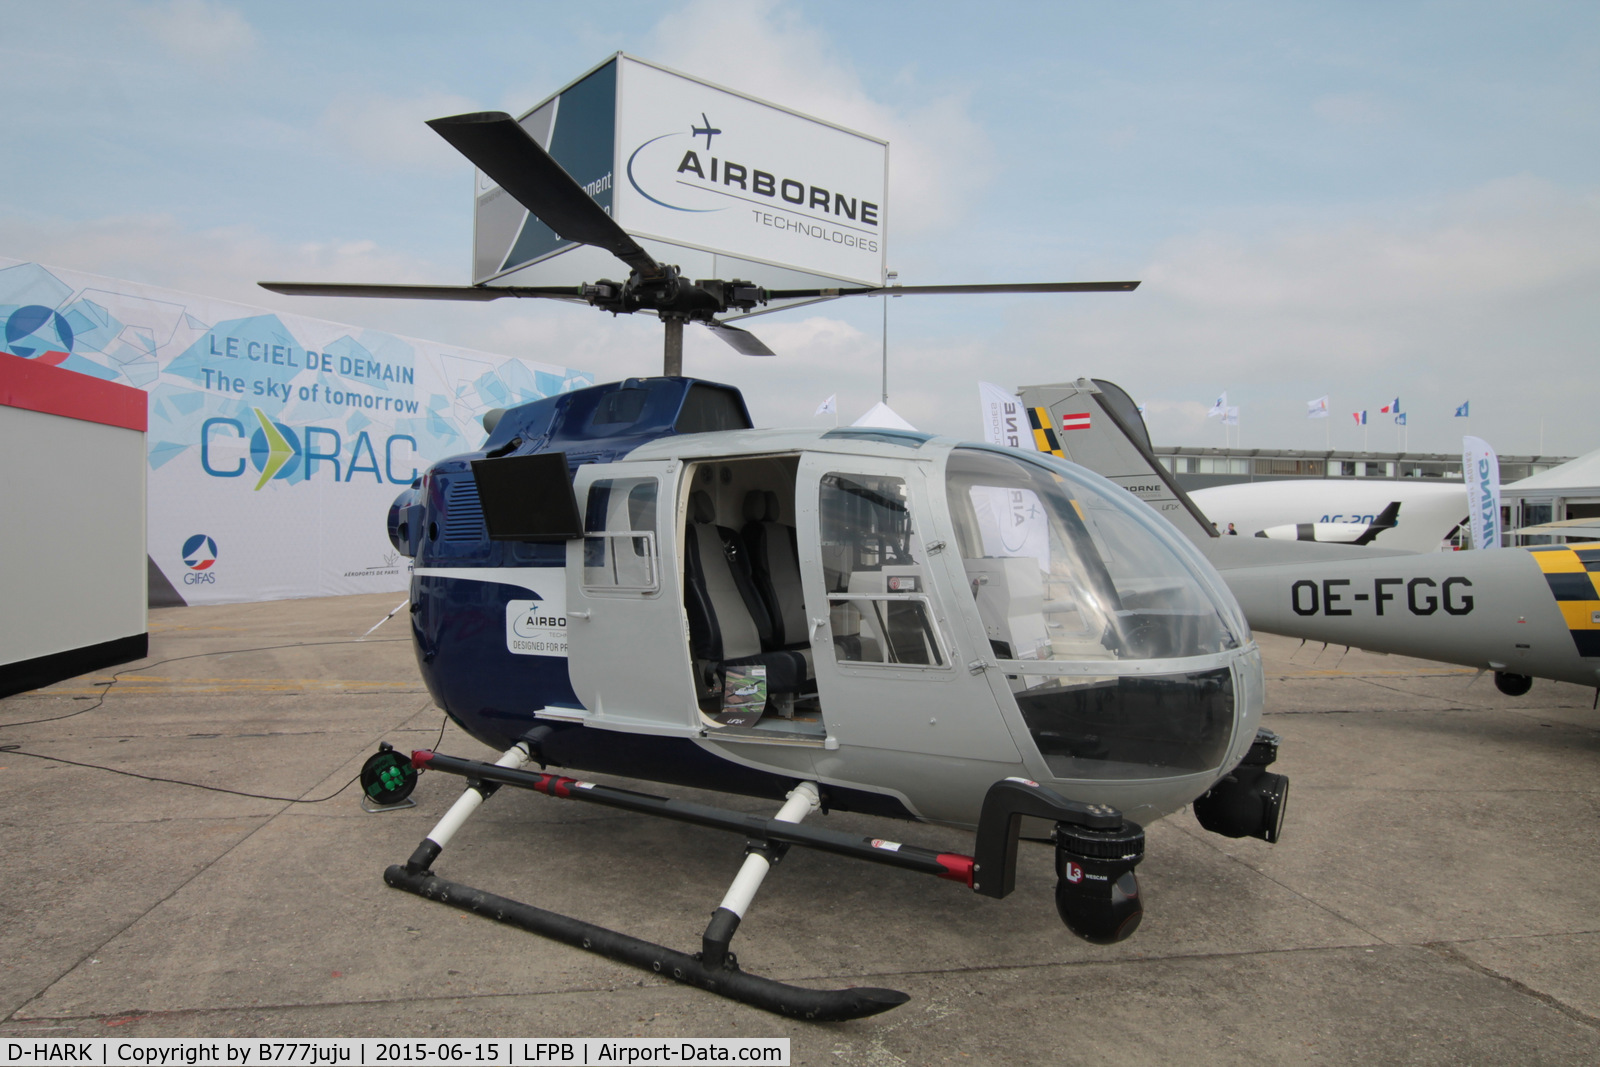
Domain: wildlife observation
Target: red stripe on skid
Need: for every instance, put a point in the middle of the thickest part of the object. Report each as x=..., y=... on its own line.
x=957, y=868
x=555, y=785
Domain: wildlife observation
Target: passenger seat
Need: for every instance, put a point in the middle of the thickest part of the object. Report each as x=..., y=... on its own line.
x=728, y=623
x=775, y=567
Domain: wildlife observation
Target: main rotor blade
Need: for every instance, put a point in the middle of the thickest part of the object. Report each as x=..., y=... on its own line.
x=742, y=341
x=517, y=163
x=914, y=290
x=426, y=292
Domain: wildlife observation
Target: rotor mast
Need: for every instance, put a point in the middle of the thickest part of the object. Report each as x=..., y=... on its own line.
x=672, y=360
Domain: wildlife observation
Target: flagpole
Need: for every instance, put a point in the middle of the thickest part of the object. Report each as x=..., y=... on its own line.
x=889, y=279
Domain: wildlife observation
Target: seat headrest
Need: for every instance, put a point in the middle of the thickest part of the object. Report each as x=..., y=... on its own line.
x=701, y=509
x=761, y=505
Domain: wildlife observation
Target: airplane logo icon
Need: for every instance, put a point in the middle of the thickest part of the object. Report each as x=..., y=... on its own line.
x=707, y=129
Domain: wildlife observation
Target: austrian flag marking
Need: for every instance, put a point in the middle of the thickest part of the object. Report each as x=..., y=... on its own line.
x=1075, y=422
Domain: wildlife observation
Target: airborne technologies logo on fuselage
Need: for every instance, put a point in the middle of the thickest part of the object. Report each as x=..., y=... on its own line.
x=776, y=199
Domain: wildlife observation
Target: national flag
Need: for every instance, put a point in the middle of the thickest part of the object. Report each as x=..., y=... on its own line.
x=1079, y=421
x=1400, y=419
x=1461, y=412
x=1392, y=408
x=1360, y=417
x=1231, y=417
x=1318, y=408
x=828, y=406
x=1219, y=408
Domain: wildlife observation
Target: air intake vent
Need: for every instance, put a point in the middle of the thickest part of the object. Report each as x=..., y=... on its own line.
x=463, y=513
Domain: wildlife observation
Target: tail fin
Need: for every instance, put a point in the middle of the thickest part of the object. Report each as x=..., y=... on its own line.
x=1094, y=423
x=1386, y=519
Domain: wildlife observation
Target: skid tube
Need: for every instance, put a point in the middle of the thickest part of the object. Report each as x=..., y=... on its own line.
x=714, y=969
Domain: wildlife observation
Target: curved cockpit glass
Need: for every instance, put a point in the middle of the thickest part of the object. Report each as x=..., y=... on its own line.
x=1077, y=590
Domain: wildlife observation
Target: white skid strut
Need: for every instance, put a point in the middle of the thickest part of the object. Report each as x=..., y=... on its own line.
x=514, y=758
x=803, y=799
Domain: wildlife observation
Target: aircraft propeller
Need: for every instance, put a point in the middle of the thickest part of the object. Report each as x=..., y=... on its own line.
x=498, y=145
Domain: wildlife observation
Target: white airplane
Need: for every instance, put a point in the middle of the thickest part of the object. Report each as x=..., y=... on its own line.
x=1339, y=533
x=1429, y=511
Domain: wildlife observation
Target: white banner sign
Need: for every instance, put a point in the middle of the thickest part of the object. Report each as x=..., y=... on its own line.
x=276, y=442
x=1005, y=420
x=707, y=167
x=1011, y=521
x=1480, y=468
x=677, y=160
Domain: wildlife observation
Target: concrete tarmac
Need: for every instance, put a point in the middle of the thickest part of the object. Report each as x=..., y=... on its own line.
x=1436, y=897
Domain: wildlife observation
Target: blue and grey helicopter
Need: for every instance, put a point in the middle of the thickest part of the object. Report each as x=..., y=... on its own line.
x=632, y=580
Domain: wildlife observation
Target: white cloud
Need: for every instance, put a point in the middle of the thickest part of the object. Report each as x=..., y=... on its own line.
x=200, y=31
x=1484, y=294
x=392, y=132
x=938, y=154
x=1509, y=237
x=224, y=262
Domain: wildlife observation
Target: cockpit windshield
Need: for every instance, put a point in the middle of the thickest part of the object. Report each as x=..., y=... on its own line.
x=1063, y=570
x=1066, y=571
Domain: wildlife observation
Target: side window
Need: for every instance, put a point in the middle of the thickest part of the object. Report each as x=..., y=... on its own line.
x=873, y=565
x=619, y=542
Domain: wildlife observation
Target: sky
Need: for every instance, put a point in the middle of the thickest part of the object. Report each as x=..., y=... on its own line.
x=1367, y=201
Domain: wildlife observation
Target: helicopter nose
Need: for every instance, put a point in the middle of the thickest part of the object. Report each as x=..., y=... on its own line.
x=404, y=525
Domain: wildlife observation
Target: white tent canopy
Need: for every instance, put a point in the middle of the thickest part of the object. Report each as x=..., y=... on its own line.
x=1580, y=473
x=1561, y=502
x=882, y=415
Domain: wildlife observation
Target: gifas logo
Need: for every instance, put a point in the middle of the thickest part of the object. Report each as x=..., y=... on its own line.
x=199, y=553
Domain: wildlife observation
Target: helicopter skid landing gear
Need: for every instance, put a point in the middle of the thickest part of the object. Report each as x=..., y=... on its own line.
x=714, y=969
x=1080, y=828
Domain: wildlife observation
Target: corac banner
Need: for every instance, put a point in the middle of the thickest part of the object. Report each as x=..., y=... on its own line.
x=276, y=442
x=699, y=169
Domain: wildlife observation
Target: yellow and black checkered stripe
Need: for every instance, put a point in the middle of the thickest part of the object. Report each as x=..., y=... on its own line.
x=1570, y=572
x=1044, y=434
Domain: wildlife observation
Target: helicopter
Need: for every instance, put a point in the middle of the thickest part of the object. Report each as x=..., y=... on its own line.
x=631, y=579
